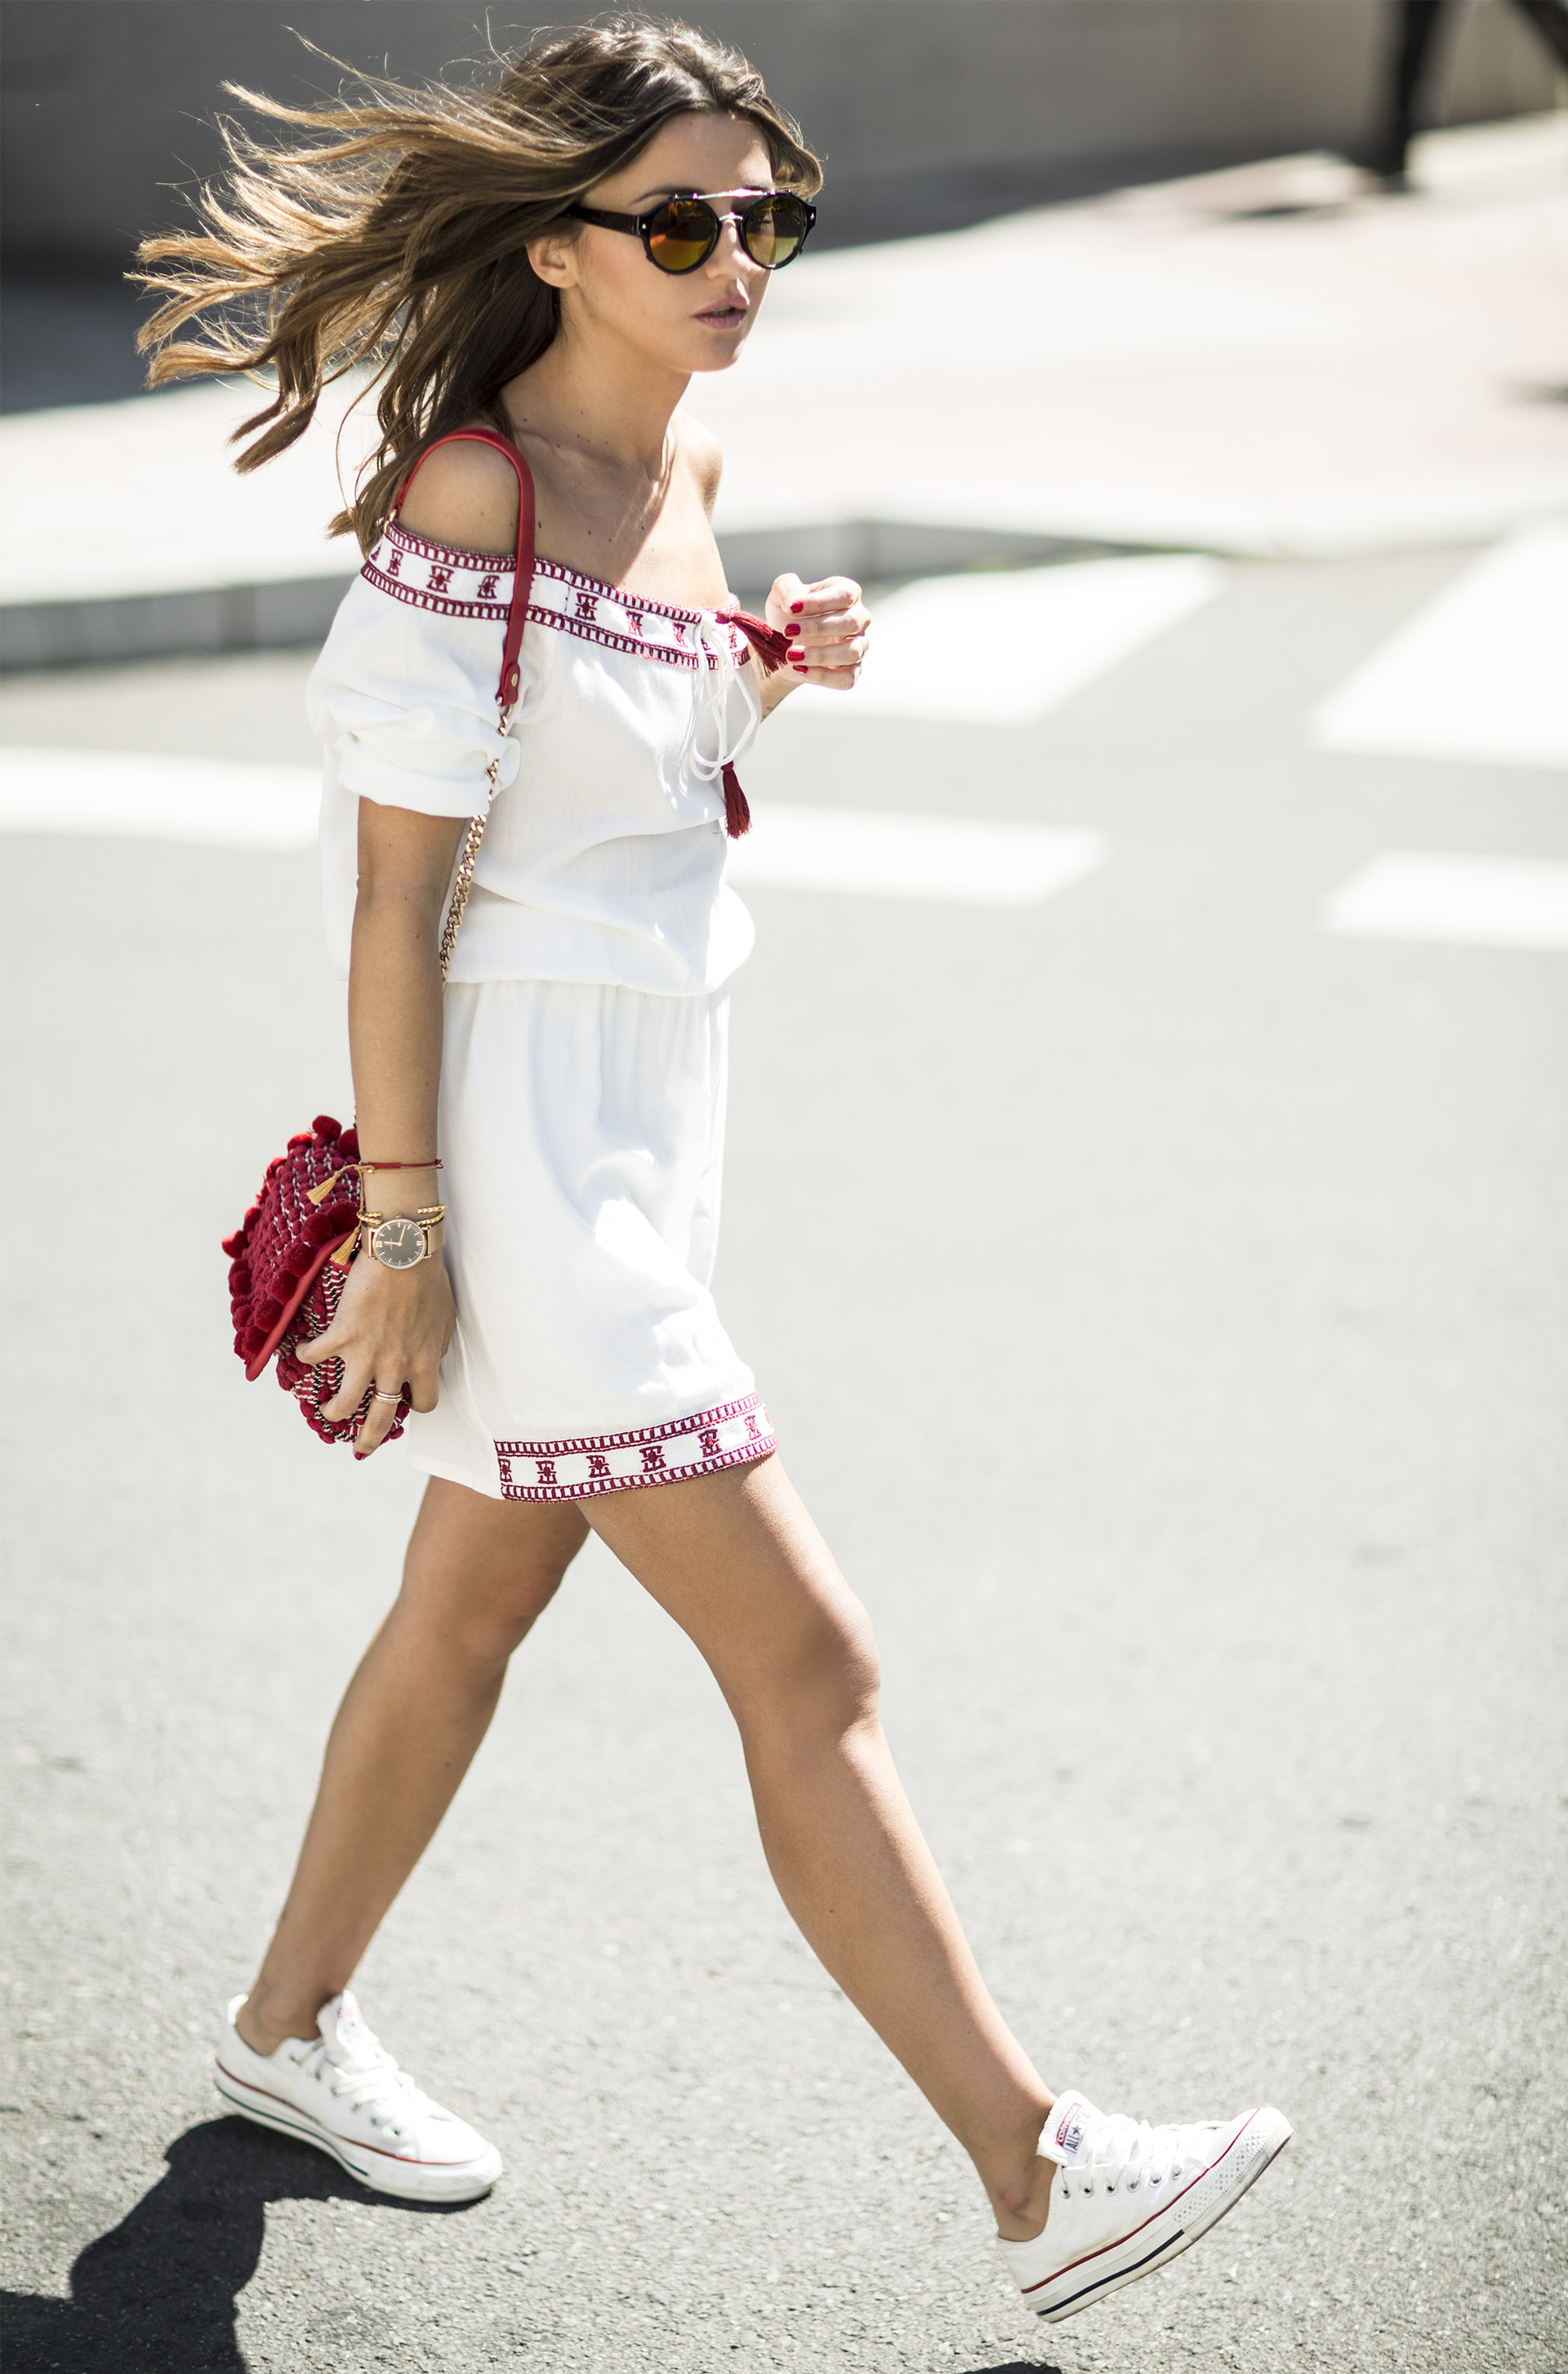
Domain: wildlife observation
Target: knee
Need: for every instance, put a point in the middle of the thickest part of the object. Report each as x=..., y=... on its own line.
x=827, y=1683
x=487, y=1635
x=477, y=1624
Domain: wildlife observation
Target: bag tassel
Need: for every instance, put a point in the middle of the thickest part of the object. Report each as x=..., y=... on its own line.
x=772, y=648
x=737, y=816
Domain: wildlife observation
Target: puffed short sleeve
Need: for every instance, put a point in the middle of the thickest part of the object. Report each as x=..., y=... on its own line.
x=403, y=699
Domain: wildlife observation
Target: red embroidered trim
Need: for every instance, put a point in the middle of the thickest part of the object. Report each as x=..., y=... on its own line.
x=454, y=555
x=499, y=564
x=492, y=569
x=648, y=1442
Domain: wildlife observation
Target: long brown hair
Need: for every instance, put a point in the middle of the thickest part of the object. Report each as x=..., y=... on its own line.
x=396, y=237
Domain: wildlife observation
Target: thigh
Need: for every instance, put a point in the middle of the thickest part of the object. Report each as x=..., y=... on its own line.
x=737, y=1560
x=493, y=1563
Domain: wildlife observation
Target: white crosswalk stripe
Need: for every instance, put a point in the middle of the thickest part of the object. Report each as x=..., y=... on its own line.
x=1480, y=674
x=1006, y=647
x=1495, y=902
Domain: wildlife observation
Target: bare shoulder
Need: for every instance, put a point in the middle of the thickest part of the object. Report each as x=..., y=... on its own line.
x=464, y=495
x=702, y=454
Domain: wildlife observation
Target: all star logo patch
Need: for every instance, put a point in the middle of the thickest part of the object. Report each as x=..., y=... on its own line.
x=1069, y=2131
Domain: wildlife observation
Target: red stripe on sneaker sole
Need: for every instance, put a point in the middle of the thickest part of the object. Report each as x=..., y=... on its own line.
x=1163, y=2210
x=353, y=2142
x=1117, y=2275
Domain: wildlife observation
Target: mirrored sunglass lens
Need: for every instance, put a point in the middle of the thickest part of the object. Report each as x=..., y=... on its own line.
x=682, y=234
x=774, y=229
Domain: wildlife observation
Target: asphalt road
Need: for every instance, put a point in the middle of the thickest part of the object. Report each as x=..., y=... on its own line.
x=1161, y=1306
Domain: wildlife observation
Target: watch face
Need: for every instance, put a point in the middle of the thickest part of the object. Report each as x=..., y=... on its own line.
x=399, y=1244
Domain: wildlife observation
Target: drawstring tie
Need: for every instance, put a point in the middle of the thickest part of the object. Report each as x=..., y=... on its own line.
x=771, y=649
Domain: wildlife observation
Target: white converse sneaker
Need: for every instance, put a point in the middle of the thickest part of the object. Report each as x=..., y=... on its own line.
x=346, y=2095
x=1131, y=2197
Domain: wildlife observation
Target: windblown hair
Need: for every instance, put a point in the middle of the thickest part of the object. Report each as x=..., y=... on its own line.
x=396, y=238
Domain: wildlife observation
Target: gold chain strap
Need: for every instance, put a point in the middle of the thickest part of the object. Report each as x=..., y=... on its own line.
x=464, y=878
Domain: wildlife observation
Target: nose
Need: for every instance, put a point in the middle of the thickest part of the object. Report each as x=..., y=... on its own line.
x=730, y=253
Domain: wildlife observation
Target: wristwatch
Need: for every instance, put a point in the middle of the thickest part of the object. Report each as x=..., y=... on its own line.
x=403, y=1242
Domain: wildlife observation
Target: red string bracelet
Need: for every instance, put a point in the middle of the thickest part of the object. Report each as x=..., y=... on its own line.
x=435, y=1164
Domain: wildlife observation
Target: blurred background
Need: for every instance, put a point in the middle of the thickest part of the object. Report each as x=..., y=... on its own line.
x=1145, y=1215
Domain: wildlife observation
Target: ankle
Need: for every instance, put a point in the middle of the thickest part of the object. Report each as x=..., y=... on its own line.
x=1023, y=2203
x=266, y=2019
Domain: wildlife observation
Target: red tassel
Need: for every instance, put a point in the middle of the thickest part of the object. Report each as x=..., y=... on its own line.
x=737, y=816
x=770, y=645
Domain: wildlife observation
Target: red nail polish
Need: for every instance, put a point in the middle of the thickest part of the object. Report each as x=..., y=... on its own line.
x=792, y=631
x=798, y=669
x=797, y=607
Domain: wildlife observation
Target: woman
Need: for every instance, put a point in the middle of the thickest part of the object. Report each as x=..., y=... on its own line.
x=551, y=259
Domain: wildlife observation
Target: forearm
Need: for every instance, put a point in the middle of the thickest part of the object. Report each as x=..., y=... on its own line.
x=395, y=1001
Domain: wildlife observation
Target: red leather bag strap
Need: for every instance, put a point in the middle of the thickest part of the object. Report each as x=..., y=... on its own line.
x=523, y=567
x=506, y=690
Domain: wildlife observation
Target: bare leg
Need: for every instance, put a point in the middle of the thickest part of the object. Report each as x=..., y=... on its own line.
x=477, y=1575
x=736, y=1561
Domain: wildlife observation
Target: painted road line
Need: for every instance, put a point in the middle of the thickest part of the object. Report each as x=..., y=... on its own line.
x=1004, y=647
x=145, y=796
x=961, y=860
x=1480, y=673
x=218, y=804
x=1483, y=902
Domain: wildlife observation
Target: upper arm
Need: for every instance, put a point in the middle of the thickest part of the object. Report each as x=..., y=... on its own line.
x=405, y=858
x=703, y=456
x=464, y=495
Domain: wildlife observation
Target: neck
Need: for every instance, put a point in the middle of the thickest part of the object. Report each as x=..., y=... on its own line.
x=592, y=392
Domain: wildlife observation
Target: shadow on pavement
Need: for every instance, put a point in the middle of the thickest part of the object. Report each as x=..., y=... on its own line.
x=156, y=2293
x=1018, y=2365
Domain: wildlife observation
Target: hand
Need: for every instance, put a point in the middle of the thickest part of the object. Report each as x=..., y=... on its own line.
x=829, y=627
x=392, y=1327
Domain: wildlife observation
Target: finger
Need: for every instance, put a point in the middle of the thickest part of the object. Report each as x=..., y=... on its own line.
x=324, y=1347
x=837, y=627
x=832, y=679
x=845, y=638
x=836, y=659
x=350, y=1392
x=842, y=629
x=380, y=1419
x=826, y=594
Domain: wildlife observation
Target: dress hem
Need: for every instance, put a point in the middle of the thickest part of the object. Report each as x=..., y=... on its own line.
x=583, y=1467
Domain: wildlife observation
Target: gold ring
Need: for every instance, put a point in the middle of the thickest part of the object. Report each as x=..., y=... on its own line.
x=378, y=1396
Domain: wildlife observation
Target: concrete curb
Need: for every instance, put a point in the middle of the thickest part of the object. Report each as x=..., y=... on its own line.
x=289, y=612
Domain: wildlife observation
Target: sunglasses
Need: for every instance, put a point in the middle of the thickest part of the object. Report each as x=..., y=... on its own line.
x=682, y=233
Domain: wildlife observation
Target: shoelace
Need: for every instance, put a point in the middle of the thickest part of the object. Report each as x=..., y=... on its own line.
x=371, y=2077
x=1127, y=2154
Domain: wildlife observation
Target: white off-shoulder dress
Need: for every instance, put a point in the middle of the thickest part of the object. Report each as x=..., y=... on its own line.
x=583, y=1080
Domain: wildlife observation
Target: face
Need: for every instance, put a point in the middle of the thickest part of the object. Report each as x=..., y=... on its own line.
x=689, y=322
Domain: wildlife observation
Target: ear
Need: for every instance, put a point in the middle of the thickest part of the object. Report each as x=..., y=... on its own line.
x=554, y=258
